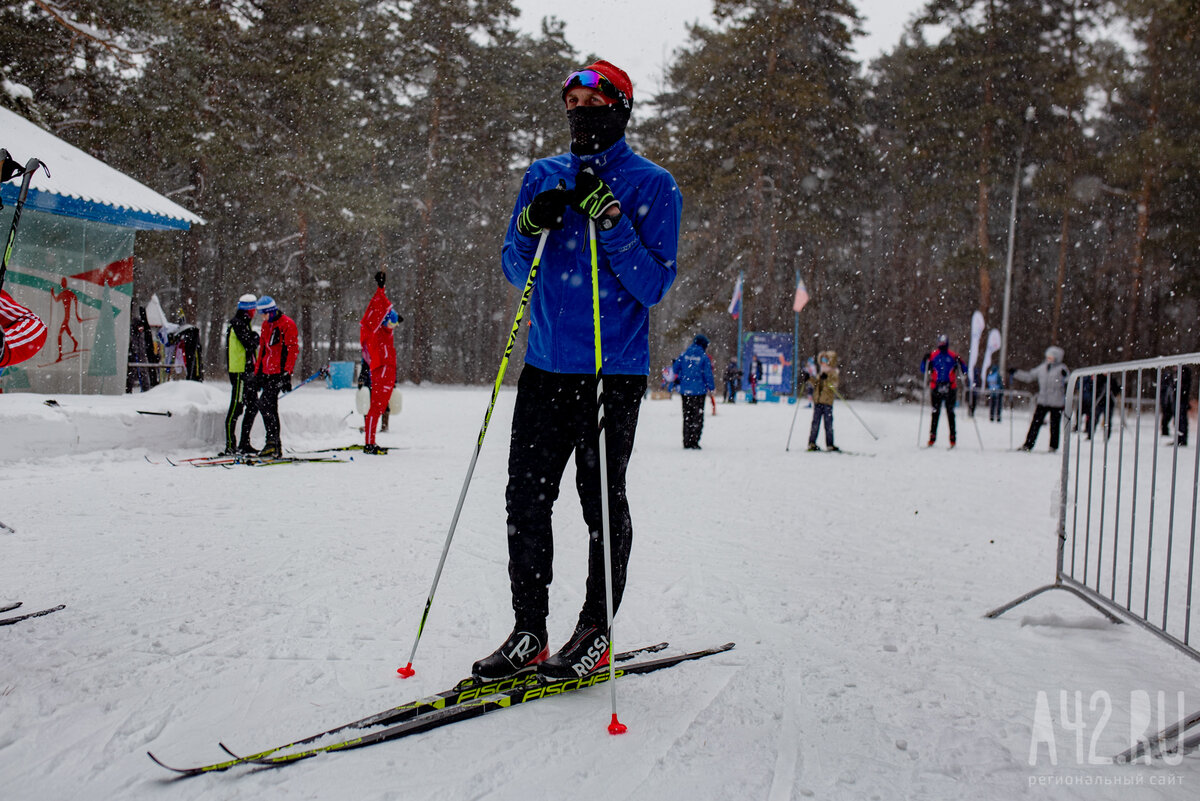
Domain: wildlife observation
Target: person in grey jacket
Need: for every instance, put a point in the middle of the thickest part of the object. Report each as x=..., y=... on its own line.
x=1051, y=376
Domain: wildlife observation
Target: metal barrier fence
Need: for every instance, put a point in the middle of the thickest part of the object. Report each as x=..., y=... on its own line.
x=1128, y=497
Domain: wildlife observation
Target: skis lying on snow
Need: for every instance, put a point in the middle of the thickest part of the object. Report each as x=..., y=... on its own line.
x=250, y=460
x=329, y=450
x=262, y=461
x=468, y=699
x=8, y=621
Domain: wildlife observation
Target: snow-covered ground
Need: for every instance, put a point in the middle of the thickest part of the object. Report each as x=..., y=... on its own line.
x=253, y=605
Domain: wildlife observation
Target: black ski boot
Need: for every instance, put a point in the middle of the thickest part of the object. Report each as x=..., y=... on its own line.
x=586, y=652
x=520, y=654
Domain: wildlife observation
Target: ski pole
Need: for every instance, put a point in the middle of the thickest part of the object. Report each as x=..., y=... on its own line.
x=842, y=398
x=921, y=413
x=26, y=176
x=615, y=726
x=792, y=428
x=407, y=671
x=324, y=371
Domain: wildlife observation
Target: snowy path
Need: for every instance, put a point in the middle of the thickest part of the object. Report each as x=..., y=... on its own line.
x=254, y=605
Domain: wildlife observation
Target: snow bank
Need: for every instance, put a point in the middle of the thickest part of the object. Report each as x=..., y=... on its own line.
x=35, y=425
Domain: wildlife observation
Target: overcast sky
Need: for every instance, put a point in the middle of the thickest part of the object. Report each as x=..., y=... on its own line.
x=640, y=35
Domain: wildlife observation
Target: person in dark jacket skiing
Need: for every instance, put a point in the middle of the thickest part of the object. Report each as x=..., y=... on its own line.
x=733, y=379
x=278, y=347
x=694, y=376
x=1166, y=400
x=636, y=208
x=943, y=366
x=1051, y=377
x=241, y=343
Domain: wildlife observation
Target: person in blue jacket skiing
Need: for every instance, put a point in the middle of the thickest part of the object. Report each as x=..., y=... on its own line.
x=636, y=207
x=943, y=365
x=694, y=376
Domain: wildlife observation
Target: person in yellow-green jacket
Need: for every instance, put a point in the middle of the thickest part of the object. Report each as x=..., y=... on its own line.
x=241, y=343
x=824, y=391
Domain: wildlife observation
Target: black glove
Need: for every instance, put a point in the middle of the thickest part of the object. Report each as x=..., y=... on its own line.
x=285, y=382
x=592, y=197
x=546, y=211
x=380, y=279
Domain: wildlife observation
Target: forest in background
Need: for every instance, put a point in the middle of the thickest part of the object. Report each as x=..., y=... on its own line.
x=323, y=141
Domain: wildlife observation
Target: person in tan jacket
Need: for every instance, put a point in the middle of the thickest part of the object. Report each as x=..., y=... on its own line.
x=824, y=391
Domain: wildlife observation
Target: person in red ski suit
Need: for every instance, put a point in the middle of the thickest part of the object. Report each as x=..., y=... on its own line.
x=278, y=347
x=379, y=351
x=22, y=333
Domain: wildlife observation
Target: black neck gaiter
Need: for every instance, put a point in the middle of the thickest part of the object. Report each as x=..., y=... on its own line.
x=596, y=128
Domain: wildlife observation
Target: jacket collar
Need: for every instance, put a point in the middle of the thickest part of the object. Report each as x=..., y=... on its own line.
x=615, y=154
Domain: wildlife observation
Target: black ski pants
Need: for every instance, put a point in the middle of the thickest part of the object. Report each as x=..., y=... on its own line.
x=995, y=405
x=693, y=419
x=1035, y=425
x=268, y=406
x=242, y=397
x=554, y=419
x=822, y=412
x=942, y=395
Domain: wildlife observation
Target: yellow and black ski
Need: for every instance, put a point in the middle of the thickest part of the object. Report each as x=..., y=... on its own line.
x=466, y=691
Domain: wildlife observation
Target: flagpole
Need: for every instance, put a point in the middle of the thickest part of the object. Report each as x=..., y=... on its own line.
x=741, y=314
x=796, y=347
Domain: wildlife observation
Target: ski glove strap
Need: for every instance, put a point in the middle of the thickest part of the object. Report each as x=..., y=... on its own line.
x=546, y=211
x=592, y=197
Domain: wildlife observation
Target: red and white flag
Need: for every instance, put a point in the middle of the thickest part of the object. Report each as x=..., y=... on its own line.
x=801, y=296
x=735, y=305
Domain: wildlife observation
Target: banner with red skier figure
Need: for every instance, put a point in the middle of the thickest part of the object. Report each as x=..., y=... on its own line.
x=77, y=277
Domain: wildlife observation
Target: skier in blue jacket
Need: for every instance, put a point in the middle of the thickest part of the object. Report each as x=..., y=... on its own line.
x=694, y=375
x=636, y=208
x=943, y=366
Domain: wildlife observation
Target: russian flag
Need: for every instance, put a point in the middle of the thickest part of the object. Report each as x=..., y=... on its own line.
x=801, y=296
x=735, y=304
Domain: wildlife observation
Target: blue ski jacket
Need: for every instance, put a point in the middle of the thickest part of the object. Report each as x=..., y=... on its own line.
x=693, y=372
x=636, y=261
x=943, y=365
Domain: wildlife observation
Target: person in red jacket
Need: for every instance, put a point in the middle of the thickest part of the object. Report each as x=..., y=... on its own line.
x=379, y=352
x=278, y=347
x=22, y=333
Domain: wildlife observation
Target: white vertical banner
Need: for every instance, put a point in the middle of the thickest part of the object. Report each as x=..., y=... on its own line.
x=977, y=326
x=993, y=345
